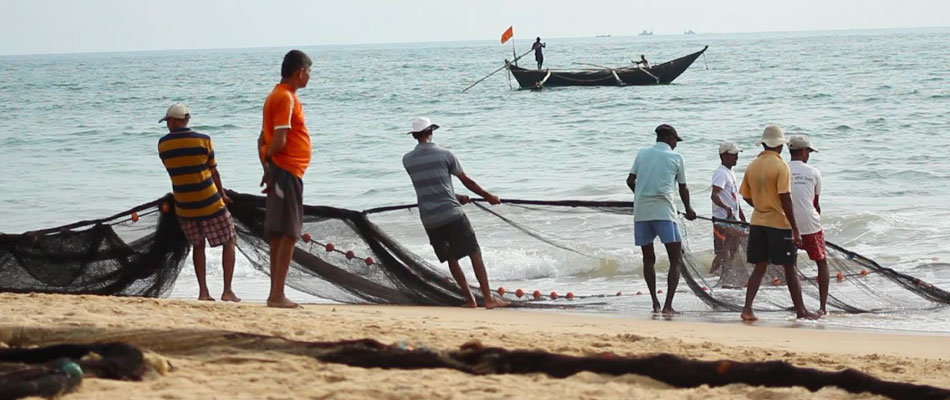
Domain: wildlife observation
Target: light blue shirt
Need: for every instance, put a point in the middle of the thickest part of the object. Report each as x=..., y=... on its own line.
x=659, y=172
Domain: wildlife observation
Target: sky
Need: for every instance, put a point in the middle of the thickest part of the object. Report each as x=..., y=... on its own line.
x=75, y=26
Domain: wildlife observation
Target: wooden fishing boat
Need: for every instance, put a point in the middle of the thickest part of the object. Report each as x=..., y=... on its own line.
x=633, y=75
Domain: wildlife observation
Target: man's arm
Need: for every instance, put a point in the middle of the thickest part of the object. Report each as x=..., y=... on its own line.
x=217, y=183
x=632, y=183
x=790, y=215
x=471, y=185
x=748, y=200
x=684, y=195
x=741, y=215
x=277, y=143
x=817, y=206
x=717, y=200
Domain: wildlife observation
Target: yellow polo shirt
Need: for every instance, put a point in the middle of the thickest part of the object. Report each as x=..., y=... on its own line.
x=766, y=178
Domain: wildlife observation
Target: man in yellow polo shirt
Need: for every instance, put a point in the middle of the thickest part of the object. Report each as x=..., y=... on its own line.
x=284, y=148
x=773, y=234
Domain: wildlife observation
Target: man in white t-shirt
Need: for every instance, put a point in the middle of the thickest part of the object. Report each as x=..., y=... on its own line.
x=725, y=206
x=806, y=187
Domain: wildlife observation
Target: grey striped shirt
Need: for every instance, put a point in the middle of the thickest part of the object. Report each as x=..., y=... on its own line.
x=431, y=168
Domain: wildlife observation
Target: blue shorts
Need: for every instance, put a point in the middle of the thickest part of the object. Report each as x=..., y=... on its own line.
x=645, y=231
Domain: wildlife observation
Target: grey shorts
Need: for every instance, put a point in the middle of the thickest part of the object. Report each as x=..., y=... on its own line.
x=454, y=240
x=284, y=205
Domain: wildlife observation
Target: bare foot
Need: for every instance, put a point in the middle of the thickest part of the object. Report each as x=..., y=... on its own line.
x=493, y=303
x=282, y=303
x=822, y=312
x=669, y=311
x=230, y=296
x=808, y=315
x=656, y=307
x=470, y=304
x=748, y=316
x=205, y=297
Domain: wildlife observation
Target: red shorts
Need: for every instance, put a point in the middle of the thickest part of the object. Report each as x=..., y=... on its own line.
x=814, y=245
x=218, y=230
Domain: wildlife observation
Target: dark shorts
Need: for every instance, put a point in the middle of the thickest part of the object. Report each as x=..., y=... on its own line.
x=454, y=240
x=814, y=245
x=771, y=244
x=217, y=230
x=284, y=206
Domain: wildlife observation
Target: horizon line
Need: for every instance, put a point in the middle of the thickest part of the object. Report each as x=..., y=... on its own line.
x=54, y=53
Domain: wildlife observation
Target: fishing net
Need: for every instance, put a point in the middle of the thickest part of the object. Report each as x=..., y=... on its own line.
x=382, y=256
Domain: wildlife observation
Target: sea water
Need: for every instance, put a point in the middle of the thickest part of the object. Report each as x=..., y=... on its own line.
x=78, y=135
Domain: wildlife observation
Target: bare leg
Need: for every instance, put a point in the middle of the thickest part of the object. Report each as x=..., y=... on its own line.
x=675, y=252
x=282, y=249
x=823, y=277
x=795, y=290
x=649, y=273
x=198, y=256
x=752, y=287
x=456, y=270
x=227, y=261
x=717, y=262
x=479, y=266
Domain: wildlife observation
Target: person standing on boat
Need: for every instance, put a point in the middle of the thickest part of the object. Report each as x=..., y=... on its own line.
x=538, y=56
x=806, y=188
x=773, y=233
x=200, y=200
x=725, y=199
x=284, y=149
x=431, y=168
x=657, y=172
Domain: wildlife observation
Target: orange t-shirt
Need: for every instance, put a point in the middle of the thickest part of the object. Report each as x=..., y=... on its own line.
x=282, y=110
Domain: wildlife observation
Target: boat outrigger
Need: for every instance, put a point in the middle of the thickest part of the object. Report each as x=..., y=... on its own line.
x=633, y=75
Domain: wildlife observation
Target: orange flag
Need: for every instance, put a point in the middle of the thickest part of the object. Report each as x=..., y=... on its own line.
x=507, y=35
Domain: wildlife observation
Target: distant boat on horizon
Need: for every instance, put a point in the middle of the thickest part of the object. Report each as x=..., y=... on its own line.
x=606, y=35
x=645, y=33
x=689, y=32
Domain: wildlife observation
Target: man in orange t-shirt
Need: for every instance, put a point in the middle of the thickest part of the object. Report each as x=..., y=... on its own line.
x=284, y=148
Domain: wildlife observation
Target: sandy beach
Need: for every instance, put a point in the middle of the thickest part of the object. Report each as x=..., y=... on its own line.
x=199, y=360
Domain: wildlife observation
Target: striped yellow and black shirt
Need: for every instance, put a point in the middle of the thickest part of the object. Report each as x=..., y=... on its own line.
x=188, y=157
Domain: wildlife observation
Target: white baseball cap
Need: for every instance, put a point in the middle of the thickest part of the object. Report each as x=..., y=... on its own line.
x=799, y=142
x=773, y=136
x=177, y=111
x=421, y=124
x=729, y=147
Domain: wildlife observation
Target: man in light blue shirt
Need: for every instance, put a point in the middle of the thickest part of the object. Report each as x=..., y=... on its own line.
x=655, y=174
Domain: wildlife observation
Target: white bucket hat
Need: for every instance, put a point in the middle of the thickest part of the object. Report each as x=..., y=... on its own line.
x=799, y=142
x=177, y=111
x=421, y=124
x=773, y=136
x=729, y=147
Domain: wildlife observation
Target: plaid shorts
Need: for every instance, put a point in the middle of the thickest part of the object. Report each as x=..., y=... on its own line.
x=218, y=230
x=814, y=245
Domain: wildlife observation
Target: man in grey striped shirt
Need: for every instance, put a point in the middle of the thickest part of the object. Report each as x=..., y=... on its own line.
x=431, y=168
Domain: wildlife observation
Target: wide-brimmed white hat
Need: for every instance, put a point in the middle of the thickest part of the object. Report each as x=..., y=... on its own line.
x=177, y=111
x=421, y=124
x=773, y=136
x=729, y=147
x=799, y=142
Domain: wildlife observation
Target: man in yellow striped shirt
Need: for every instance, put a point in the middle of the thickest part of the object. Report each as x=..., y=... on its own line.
x=199, y=197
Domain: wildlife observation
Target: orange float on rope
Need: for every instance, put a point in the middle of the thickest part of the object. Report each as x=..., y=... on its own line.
x=705, y=288
x=840, y=277
x=165, y=208
x=305, y=237
x=369, y=261
x=501, y=290
x=519, y=293
x=570, y=295
x=135, y=217
x=350, y=254
x=776, y=281
x=329, y=247
x=864, y=272
x=536, y=294
x=553, y=295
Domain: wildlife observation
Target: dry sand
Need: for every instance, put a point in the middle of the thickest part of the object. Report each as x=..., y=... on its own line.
x=206, y=365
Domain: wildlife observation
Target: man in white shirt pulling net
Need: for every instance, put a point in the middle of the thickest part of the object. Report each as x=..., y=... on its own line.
x=725, y=199
x=806, y=188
